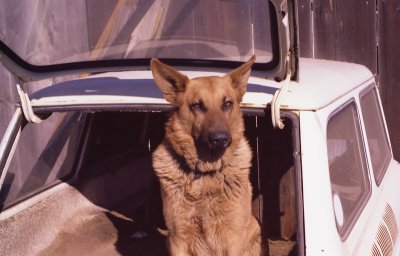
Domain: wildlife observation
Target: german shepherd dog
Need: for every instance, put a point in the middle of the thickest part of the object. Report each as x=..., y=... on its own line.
x=203, y=164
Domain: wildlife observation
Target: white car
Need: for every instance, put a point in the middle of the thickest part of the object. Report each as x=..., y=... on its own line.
x=75, y=160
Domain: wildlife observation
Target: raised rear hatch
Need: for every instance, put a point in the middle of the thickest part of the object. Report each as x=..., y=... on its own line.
x=97, y=36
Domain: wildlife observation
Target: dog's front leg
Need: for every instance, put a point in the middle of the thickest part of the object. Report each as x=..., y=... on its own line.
x=178, y=247
x=254, y=240
x=244, y=241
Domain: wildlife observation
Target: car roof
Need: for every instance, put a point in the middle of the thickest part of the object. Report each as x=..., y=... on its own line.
x=321, y=82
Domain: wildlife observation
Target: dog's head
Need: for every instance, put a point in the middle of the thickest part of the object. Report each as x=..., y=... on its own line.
x=207, y=108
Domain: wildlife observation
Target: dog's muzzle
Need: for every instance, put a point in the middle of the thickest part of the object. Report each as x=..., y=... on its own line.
x=219, y=140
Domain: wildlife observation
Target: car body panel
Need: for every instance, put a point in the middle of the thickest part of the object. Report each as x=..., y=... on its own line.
x=319, y=210
x=311, y=92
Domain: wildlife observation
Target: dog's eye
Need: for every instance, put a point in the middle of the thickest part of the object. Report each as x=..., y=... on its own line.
x=197, y=106
x=227, y=104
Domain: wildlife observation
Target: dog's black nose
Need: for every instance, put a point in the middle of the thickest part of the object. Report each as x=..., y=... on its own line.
x=219, y=140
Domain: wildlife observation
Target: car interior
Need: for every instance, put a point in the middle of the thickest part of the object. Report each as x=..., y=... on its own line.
x=111, y=205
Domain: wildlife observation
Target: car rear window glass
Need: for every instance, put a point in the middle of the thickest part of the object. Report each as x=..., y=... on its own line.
x=54, y=32
x=45, y=153
x=376, y=134
x=347, y=167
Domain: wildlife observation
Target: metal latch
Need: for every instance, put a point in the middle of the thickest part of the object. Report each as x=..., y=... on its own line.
x=278, y=96
x=26, y=105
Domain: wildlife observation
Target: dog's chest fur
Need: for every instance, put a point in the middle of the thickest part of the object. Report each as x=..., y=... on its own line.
x=204, y=199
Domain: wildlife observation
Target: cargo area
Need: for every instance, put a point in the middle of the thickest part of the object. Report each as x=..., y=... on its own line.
x=112, y=206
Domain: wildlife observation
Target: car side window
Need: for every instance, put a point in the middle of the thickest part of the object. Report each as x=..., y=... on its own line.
x=347, y=167
x=45, y=154
x=378, y=142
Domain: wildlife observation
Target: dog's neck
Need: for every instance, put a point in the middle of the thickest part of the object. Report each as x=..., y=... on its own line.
x=207, y=168
x=190, y=162
x=198, y=174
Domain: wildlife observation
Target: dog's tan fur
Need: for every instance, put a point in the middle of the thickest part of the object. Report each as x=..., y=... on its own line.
x=206, y=192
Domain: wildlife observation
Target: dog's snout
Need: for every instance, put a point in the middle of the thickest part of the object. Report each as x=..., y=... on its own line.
x=219, y=140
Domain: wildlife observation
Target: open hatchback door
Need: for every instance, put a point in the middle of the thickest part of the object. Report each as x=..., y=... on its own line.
x=98, y=36
x=56, y=40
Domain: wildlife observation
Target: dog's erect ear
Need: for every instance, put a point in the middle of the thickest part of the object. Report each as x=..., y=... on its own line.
x=240, y=76
x=170, y=81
